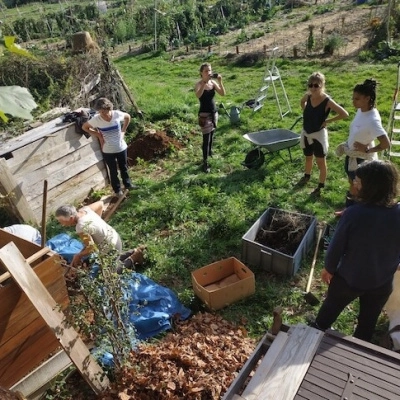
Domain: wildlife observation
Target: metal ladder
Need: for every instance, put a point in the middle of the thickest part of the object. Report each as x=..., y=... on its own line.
x=272, y=77
x=393, y=128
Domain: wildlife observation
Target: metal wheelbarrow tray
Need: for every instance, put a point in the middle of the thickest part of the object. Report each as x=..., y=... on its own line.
x=273, y=140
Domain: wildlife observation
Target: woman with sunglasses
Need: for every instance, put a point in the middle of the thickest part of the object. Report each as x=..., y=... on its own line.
x=363, y=255
x=365, y=128
x=316, y=106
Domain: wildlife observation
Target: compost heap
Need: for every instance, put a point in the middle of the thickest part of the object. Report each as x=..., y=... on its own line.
x=151, y=146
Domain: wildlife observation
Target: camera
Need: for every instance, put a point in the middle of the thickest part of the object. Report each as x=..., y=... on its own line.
x=214, y=75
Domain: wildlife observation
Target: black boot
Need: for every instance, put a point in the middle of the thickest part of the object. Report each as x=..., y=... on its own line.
x=206, y=167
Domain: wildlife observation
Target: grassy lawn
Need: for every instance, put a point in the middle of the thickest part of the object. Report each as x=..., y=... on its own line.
x=189, y=219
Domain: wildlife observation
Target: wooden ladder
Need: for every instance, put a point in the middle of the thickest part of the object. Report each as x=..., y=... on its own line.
x=393, y=128
x=272, y=77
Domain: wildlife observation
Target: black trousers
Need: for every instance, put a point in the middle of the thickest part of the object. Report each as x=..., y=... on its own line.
x=340, y=294
x=113, y=162
x=207, y=144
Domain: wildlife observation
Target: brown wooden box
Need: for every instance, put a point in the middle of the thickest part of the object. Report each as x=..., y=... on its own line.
x=25, y=339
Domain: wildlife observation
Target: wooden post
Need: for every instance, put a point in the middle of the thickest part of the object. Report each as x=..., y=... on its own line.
x=17, y=200
x=69, y=339
x=209, y=49
x=135, y=106
x=237, y=49
x=44, y=206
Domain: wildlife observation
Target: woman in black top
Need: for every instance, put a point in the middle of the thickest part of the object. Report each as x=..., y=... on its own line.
x=205, y=90
x=316, y=106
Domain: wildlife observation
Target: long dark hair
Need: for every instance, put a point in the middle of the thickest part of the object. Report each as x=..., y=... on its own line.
x=368, y=88
x=379, y=183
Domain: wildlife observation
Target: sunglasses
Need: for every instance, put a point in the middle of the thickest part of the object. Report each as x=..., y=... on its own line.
x=314, y=85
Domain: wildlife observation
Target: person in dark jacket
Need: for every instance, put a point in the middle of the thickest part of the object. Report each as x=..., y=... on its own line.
x=364, y=252
x=205, y=90
x=316, y=106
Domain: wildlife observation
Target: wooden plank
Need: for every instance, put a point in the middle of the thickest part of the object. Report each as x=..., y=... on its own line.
x=26, y=138
x=25, y=338
x=10, y=187
x=112, y=209
x=29, y=260
x=37, y=155
x=31, y=183
x=28, y=354
x=361, y=363
x=47, y=307
x=75, y=189
x=19, y=315
x=247, y=368
x=266, y=364
x=310, y=391
x=286, y=374
x=35, y=383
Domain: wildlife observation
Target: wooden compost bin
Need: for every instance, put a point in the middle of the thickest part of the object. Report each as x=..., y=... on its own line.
x=25, y=338
x=71, y=164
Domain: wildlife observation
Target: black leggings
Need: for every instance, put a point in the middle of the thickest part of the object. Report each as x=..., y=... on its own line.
x=207, y=144
x=340, y=294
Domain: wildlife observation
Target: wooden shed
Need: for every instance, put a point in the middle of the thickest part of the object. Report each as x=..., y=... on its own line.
x=25, y=339
x=304, y=363
x=71, y=163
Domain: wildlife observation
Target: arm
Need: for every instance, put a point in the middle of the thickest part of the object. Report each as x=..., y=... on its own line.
x=199, y=88
x=383, y=144
x=219, y=87
x=97, y=207
x=341, y=113
x=303, y=101
x=93, y=132
x=88, y=249
x=127, y=120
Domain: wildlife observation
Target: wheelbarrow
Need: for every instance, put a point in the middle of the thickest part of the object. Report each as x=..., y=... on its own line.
x=272, y=140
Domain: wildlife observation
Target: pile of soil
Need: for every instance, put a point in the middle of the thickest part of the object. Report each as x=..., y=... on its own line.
x=283, y=231
x=150, y=146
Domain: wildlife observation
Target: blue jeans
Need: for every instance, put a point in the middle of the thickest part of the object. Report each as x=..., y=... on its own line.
x=340, y=294
x=113, y=162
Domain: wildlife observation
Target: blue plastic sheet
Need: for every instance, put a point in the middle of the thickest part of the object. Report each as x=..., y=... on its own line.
x=151, y=306
x=65, y=246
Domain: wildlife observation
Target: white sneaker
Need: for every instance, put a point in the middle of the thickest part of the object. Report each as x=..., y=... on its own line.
x=120, y=193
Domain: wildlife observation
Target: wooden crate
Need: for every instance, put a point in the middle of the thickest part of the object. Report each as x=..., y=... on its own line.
x=25, y=338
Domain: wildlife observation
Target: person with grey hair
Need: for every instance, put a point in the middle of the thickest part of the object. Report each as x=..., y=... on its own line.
x=106, y=126
x=94, y=232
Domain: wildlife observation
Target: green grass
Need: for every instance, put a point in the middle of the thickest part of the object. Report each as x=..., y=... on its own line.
x=189, y=219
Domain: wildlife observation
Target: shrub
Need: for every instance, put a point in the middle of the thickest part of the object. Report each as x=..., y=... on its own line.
x=333, y=43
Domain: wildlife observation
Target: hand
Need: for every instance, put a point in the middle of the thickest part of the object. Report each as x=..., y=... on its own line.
x=76, y=261
x=360, y=147
x=326, y=276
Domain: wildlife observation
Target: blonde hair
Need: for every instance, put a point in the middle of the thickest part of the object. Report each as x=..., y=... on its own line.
x=317, y=77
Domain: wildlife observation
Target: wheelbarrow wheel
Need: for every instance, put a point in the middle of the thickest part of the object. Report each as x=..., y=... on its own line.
x=254, y=159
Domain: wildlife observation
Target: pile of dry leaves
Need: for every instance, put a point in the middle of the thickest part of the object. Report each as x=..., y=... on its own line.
x=198, y=360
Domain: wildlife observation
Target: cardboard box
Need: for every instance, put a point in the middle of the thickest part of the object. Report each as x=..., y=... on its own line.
x=269, y=259
x=223, y=282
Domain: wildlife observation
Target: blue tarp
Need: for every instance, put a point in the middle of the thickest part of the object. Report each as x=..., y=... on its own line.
x=151, y=305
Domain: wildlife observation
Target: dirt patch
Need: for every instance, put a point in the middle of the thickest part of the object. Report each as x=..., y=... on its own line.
x=283, y=231
x=152, y=145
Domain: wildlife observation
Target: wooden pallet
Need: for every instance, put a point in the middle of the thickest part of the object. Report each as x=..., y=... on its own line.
x=282, y=368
